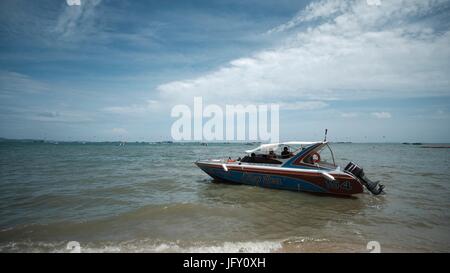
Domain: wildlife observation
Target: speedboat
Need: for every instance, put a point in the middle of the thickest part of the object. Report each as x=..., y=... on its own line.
x=296, y=166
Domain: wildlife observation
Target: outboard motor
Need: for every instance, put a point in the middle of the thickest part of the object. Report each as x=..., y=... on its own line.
x=374, y=187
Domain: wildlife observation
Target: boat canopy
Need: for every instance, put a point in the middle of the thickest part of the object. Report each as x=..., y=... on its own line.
x=266, y=148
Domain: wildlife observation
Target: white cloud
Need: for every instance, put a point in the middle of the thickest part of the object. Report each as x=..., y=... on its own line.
x=373, y=2
x=66, y=116
x=119, y=131
x=134, y=109
x=77, y=21
x=382, y=115
x=354, y=51
x=349, y=115
x=315, y=10
x=13, y=83
x=305, y=105
x=73, y=2
x=131, y=109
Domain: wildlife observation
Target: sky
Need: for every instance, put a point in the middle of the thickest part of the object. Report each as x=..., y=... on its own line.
x=368, y=70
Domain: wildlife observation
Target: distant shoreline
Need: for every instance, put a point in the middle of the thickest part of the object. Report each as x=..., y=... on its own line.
x=44, y=141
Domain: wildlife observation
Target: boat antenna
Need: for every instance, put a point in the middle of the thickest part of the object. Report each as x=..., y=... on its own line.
x=325, y=139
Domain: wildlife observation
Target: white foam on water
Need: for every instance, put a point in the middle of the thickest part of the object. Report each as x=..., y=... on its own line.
x=240, y=247
x=226, y=247
x=146, y=246
x=293, y=244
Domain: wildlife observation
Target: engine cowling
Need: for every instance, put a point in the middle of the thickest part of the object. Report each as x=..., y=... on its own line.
x=374, y=187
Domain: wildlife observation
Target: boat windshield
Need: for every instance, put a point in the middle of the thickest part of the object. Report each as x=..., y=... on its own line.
x=280, y=150
x=322, y=157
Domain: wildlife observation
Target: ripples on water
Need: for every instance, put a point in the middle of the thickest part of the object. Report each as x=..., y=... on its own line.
x=152, y=198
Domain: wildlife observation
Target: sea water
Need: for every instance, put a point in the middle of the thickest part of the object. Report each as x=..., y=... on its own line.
x=142, y=197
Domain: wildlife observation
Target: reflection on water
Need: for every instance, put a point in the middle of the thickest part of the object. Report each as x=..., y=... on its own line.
x=145, y=197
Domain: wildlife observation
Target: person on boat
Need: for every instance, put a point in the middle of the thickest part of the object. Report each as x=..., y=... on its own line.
x=271, y=154
x=309, y=160
x=285, y=153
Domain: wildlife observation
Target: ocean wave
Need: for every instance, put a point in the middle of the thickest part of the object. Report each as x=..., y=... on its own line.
x=293, y=244
x=146, y=246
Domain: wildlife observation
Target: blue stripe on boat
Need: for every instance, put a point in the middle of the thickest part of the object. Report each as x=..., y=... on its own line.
x=264, y=180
